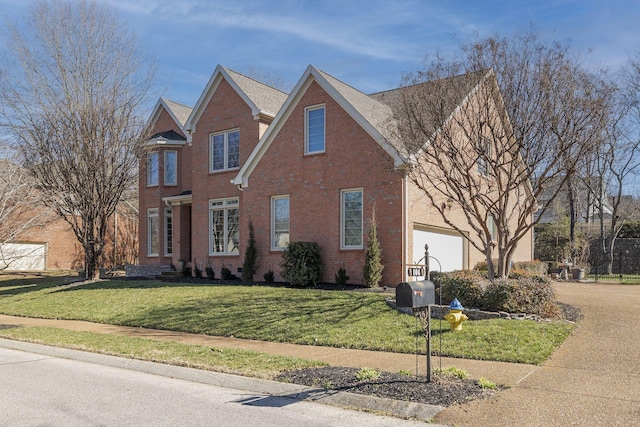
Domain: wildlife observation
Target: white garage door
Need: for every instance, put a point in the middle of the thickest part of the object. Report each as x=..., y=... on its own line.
x=448, y=249
x=22, y=256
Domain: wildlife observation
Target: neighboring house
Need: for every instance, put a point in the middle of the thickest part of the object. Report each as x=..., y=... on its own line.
x=34, y=238
x=308, y=166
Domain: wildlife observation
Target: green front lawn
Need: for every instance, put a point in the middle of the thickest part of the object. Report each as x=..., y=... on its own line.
x=329, y=318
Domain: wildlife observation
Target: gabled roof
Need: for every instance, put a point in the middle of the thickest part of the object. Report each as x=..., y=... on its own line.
x=373, y=116
x=178, y=112
x=263, y=99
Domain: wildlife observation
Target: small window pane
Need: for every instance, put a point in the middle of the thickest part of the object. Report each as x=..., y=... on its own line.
x=152, y=169
x=217, y=230
x=233, y=150
x=170, y=166
x=233, y=230
x=217, y=156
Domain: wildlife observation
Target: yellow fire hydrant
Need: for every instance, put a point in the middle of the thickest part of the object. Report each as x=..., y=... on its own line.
x=455, y=316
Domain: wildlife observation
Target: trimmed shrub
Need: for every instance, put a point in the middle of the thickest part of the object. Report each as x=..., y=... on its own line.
x=531, y=295
x=226, y=274
x=302, y=264
x=466, y=285
x=341, y=277
x=269, y=277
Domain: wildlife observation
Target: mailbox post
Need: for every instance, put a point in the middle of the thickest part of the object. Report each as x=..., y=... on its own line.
x=419, y=296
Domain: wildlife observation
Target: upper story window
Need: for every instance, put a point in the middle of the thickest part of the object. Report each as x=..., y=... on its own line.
x=170, y=167
x=484, y=155
x=314, y=123
x=224, y=226
x=152, y=169
x=279, y=222
x=351, y=219
x=224, y=151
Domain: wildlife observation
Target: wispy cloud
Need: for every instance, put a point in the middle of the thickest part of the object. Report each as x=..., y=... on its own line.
x=366, y=31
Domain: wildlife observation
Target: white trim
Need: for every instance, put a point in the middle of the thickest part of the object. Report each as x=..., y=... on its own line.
x=307, y=111
x=164, y=169
x=180, y=199
x=344, y=192
x=168, y=213
x=273, y=221
x=151, y=214
x=164, y=142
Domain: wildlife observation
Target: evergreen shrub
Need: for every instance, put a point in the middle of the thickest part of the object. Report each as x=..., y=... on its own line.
x=302, y=264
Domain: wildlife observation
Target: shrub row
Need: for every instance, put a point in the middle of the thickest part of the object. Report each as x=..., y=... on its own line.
x=531, y=295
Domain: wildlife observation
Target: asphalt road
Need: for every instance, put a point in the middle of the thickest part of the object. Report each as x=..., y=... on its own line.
x=46, y=391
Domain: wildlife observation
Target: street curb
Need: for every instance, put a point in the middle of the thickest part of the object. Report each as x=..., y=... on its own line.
x=396, y=408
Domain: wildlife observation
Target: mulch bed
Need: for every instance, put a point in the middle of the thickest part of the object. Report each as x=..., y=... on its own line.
x=443, y=390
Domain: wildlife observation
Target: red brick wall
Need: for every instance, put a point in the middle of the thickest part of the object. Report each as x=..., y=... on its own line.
x=352, y=159
x=151, y=197
x=226, y=110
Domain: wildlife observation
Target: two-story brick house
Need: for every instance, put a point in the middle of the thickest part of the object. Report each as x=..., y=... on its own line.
x=309, y=166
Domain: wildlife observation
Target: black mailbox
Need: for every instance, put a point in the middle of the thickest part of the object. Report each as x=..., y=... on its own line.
x=415, y=294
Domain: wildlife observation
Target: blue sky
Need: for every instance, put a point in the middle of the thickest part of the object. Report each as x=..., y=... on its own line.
x=365, y=43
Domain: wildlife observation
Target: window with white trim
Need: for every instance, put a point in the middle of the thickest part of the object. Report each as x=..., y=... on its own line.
x=224, y=151
x=224, y=226
x=351, y=219
x=279, y=222
x=314, y=123
x=168, y=231
x=152, y=169
x=153, y=233
x=170, y=167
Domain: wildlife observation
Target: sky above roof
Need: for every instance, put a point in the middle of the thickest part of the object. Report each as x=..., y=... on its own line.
x=368, y=44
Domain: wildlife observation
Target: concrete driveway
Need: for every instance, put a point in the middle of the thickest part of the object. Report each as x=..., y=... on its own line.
x=593, y=379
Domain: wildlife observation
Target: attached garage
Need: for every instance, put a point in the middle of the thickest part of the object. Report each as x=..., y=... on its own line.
x=23, y=256
x=448, y=247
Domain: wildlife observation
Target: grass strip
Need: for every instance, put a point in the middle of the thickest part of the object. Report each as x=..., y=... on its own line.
x=233, y=361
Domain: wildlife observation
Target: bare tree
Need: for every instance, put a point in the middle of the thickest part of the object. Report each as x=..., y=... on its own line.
x=72, y=90
x=498, y=142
